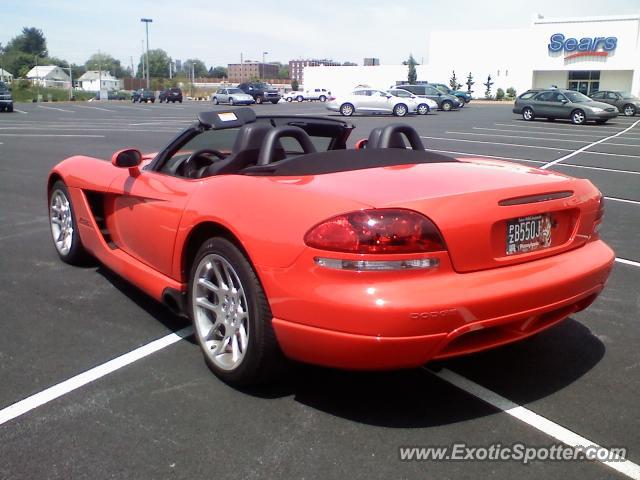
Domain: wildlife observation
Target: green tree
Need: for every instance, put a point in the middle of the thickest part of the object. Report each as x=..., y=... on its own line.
x=487, y=84
x=499, y=94
x=218, y=72
x=511, y=92
x=158, y=63
x=31, y=41
x=412, y=76
x=106, y=62
x=469, y=83
x=283, y=71
x=199, y=68
x=295, y=85
x=453, y=82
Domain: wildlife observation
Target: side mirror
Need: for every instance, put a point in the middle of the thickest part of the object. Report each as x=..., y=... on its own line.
x=127, y=158
x=564, y=100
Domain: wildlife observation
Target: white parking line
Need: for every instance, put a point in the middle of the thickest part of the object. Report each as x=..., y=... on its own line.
x=54, y=108
x=46, y=135
x=571, y=134
x=534, y=420
x=623, y=200
x=628, y=262
x=583, y=149
x=19, y=111
x=560, y=126
x=82, y=379
x=516, y=136
x=95, y=108
x=497, y=143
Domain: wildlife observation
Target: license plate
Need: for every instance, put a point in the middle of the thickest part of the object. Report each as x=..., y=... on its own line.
x=527, y=234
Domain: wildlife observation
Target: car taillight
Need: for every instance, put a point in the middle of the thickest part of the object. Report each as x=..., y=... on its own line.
x=380, y=231
x=597, y=222
x=331, y=98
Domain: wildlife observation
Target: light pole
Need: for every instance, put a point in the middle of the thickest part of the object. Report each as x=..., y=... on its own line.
x=264, y=54
x=147, y=21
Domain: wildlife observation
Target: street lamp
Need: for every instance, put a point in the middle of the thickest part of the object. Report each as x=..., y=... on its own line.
x=147, y=21
x=263, y=65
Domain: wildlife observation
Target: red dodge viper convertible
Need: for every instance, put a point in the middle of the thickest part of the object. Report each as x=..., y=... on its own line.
x=279, y=242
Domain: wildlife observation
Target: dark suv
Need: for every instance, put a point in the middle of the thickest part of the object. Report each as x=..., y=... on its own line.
x=261, y=92
x=6, y=102
x=445, y=101
x=143, y=95
x=173, y=95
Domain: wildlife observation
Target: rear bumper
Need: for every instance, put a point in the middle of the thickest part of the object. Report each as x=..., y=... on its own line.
x=374, y=321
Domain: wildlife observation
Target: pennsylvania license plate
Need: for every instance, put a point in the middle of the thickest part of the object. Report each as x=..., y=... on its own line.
x=527, y=234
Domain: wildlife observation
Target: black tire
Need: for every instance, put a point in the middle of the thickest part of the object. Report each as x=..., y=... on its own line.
x=179, y=101
x=578, y=117
x=447, y=106
x=262, y=358
x=275, y=102
x=347, y=109
x=461, y=102
x=259, y=100
x=629, y=110
x=289, y=99
x=77, y=254
x=10, y=108
x=400, y=110
x=153, y=100
x=299, y=98
x=322, y=98
x=422, y=109
x=216, y=101
x=231, y=101
x=527, y=114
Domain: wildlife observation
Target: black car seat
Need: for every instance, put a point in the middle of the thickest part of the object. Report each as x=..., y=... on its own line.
x=245, y=151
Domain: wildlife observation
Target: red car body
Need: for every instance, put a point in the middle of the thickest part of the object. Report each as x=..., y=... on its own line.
x=477, y=297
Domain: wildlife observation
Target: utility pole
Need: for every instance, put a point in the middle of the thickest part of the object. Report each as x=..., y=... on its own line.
x=37, y=80
x=263, y=65
x=147, y=21
x=142, y=58
x=99, y=75
x=170, y=64
x=241, y=68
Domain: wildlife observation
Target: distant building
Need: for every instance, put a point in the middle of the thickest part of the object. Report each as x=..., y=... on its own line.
x=242, y=72
x=371, y=61
x=296, y=67
x=5, y=76
x=94, y=81
x=49, y=76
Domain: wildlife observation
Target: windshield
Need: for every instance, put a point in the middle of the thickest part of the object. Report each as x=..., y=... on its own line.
x=263, y=86
x=400, y=93
x=627, y=95
x=577, y=97
x=234, y=90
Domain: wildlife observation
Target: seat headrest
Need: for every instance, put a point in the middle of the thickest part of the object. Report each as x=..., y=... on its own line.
x=250, y=137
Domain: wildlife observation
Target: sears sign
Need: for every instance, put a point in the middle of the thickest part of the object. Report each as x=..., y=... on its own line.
x=585, y=47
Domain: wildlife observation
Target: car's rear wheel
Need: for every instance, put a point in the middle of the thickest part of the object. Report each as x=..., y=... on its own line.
x=400, y=110
x=299, y=98
x=528, y=114
x=629, y=110
x=422, y=109
x=346, y=109
x=289, y=99
x=322, y=98
x=216, y=101
x=231, y=315
x=258, y=100
x=578, y=117
x=231, y=101
x=461, y=102
x=447, y=105
x=64, y=229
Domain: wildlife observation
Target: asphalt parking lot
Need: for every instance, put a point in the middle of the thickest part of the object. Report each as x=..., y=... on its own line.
x=160, y=413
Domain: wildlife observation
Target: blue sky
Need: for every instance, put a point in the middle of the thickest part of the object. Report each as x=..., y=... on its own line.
x=217, y=32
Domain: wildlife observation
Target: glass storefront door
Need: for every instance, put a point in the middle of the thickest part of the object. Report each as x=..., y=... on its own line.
x=584, y=81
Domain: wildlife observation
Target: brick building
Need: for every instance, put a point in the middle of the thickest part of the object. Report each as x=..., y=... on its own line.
x=242, y=72
x=296, y=67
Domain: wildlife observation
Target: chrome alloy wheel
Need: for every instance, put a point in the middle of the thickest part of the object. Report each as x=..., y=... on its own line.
x=629, y=110
x=61, y=222
x=221, y=314
x=578, y=117
x=423, y=109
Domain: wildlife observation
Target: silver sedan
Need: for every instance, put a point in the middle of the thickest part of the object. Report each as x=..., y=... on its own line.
x=232, y=96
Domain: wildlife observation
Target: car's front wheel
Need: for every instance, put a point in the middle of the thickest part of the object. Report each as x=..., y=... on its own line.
x=527, y=114
x=578, y=117
x=400, y=110
x=322, y=98
x=422, y=109
x=346, y=109
x=64, y=228
x=289, y=99
x=447, y=105
x=258, y=100
x=231, y=315
x=216, y=101
x=299, y=98
x=629, y=110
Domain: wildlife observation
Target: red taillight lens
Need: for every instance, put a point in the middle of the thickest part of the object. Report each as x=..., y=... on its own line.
x=389, y=230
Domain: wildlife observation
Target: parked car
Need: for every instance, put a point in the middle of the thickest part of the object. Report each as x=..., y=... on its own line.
x=421, y=105
x=6, y=100
x=320, y=94
x=114, y=95
x=445, y=101
x=173, y=95
x=232, y=96
x=377, y=258
x=624, y=101
x=261, y=92
x=368, y=100
x=464, y=96
x=567, y=104
x=143, y=95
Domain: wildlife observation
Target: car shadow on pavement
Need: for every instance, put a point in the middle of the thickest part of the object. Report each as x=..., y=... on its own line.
x=522, y=372
x=154, y=308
